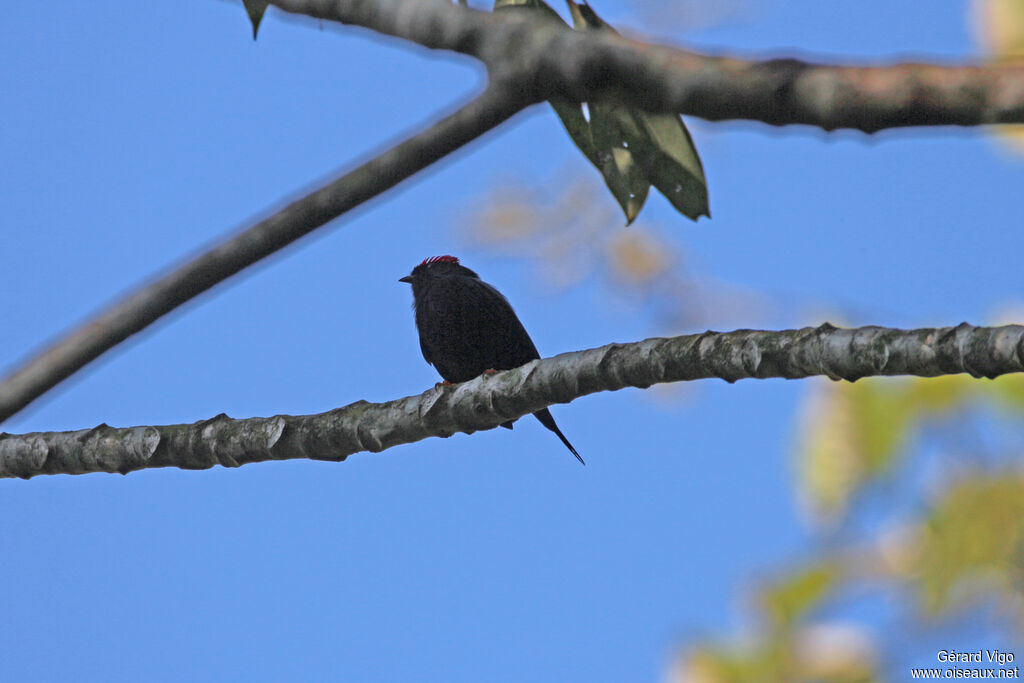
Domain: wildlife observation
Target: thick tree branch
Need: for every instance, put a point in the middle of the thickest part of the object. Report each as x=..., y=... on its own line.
x=487, y=401
x=549, y=59
x=147, y=304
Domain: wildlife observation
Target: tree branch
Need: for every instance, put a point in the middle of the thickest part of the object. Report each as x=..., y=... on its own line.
x=532, y=60
x=150, y=302
x=489, y=400
x=549, y=59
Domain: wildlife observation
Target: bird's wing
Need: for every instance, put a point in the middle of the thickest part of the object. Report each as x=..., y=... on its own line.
x=505, y=324
x=426, y=355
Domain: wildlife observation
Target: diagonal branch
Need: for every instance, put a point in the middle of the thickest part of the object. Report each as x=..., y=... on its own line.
x=550, y=59
x=150, y=302
x=488, y=401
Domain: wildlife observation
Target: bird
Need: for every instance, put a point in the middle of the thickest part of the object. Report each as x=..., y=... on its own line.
x=468, y=328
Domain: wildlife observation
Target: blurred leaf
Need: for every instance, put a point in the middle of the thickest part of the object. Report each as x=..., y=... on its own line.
x=933, y=395
x=823, y=653
x=712, y=664
x=849, y=434
x=789, y=600
x=829, y=465
x=1007, y=390
x=637, y=256
x=882, y=418
x=1000, y=25
x=897, y=551
x=939, y=395
x=973, y=541
x=255, y=8
x=999, y=28
x=838, y=652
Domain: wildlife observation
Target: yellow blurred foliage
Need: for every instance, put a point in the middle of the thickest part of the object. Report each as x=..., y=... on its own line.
x=999, y=28
x=850, y=434
x=836, y=652
x=787, y=600
x=972, y=542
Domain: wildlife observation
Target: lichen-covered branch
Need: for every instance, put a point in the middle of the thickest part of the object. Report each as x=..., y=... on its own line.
x=490, y=400
x=147, y=304
x=548, y=59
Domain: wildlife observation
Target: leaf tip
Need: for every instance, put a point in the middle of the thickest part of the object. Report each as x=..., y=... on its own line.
x=255, y=9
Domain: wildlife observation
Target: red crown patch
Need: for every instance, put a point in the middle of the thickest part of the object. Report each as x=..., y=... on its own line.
x=440, y=259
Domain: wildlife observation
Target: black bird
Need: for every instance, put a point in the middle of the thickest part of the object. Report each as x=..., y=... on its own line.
x=467, y=327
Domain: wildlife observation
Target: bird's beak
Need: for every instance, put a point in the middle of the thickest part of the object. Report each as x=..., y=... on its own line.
x=407, y=279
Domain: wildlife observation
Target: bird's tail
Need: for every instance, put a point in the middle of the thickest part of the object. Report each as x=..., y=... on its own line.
x=545, y=419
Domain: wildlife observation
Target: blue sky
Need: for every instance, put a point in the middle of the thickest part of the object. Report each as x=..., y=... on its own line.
x=134, y=134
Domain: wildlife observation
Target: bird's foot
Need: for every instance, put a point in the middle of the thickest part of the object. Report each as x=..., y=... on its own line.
x=490, y=371
x=445, y=383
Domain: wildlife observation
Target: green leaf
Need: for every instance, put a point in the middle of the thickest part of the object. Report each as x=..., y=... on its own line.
x=571, y=114
x=660, y=143
x=625, y=178
x=632, y=149
x=664, y=149
x=602, y=142
x=255, y=8
x=598, y=139
x=583, y=17
x=676, y=169
x=613, y=157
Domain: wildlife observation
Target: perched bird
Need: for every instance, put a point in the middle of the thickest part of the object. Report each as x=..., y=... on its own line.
x=467, y=327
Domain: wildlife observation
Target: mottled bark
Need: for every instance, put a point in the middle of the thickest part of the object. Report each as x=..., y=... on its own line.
x=489, y=400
